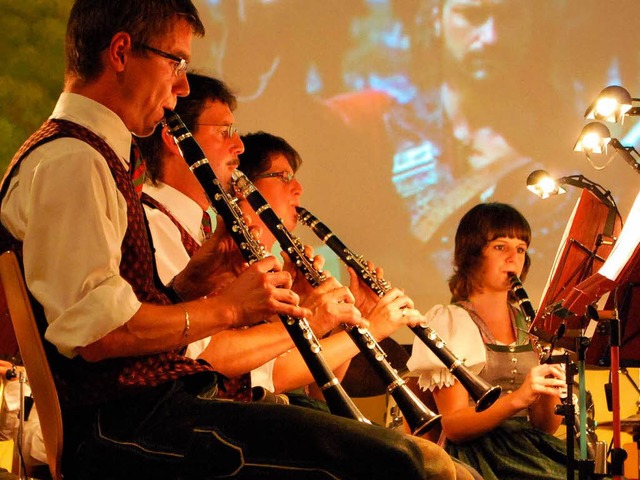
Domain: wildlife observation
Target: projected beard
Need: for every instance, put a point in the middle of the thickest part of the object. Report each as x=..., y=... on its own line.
x=456, y=139
x=477, y=40
x=466, y=136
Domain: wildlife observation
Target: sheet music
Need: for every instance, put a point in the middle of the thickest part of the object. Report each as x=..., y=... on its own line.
x=565, y=236
x=626, y=244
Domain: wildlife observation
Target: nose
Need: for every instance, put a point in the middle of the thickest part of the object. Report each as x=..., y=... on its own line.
x=181, y=86
x=487, y=34
x=512, y=255
x=237, y=146
x=296, y=187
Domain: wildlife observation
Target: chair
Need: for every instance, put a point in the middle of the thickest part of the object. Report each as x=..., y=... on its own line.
x=34, y=359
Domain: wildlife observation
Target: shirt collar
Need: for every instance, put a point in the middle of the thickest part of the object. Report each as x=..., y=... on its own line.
x=96, y=117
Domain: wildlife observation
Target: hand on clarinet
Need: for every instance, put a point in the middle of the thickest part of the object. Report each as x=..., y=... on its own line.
x=542, y=380
x=261, y=291
x=366, y=298
x=392, y=312
x=332, y=305
x=7, y=370
x=212, y=267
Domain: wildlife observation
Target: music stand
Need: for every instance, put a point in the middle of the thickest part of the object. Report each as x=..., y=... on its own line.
x=620, y=269
x=625, y=299
x=586, y=244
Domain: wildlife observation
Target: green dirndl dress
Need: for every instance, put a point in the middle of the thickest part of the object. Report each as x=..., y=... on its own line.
x=515, y=450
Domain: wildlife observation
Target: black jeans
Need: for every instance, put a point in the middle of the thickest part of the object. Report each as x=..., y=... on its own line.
x=172, y=432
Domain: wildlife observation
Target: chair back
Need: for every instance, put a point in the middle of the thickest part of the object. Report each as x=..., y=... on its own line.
x=34, y=358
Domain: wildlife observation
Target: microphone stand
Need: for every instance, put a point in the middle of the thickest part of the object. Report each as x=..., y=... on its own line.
x=567, y=409
x=586, y=465
x=618, y=454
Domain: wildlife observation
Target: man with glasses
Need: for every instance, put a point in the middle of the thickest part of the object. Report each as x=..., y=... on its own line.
x=271, y=163
x=175, y=203
x=172, y=191
x=178, y=211
x=132, y=405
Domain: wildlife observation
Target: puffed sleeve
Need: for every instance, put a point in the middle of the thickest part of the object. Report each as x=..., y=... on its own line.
x=461, y=336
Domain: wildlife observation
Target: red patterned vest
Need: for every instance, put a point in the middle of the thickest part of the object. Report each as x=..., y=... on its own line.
x=188, y=242
x=85, y=383
x=234, y=388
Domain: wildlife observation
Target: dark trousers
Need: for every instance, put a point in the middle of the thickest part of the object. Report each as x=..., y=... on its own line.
x=172, y=432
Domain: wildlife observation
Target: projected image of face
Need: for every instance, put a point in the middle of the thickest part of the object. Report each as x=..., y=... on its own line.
x=478, y=36
x=426, y=108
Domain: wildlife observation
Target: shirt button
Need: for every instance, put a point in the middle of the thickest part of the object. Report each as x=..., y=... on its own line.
x=514, y=360
x=512, y=348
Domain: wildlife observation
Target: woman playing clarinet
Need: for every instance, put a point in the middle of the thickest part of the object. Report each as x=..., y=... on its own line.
x=513, y=438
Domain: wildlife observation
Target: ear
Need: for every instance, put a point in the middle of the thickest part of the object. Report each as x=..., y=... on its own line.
x=119, y=51
x=168, y=141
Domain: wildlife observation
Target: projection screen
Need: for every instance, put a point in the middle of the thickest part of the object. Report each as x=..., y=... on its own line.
x=409, y=112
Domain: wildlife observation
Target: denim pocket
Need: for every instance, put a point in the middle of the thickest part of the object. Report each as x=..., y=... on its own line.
x=208, y=454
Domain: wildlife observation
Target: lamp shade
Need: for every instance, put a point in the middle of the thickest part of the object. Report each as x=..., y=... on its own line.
x=593, y=139
x=543, y=184
x=612, y=104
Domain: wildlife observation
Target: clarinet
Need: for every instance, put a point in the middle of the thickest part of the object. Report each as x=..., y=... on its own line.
x=418, y=416
x=522, y=299
x=226, y=206
x=480, y=390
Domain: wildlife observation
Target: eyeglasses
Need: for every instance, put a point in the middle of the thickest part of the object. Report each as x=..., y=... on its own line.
x=228, y=132
x=180, y=63
x=285, y=177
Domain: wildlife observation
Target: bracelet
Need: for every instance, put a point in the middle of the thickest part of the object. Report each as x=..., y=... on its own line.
x=187, y=321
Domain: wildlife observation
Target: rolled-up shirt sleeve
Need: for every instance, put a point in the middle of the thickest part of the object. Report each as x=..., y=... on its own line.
x=460, y=335
x=65, y=207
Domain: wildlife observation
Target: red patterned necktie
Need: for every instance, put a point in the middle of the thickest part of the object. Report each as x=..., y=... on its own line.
x=207, y=229
x=137, y=166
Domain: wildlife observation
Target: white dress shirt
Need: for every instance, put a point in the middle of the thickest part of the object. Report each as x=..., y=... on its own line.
x=63, y=204
x=171, y=256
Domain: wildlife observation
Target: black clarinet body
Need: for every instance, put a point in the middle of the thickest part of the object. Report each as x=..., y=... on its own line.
x=523, y=301
x=418, y=416
x=226, y=206
x=483, y=393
